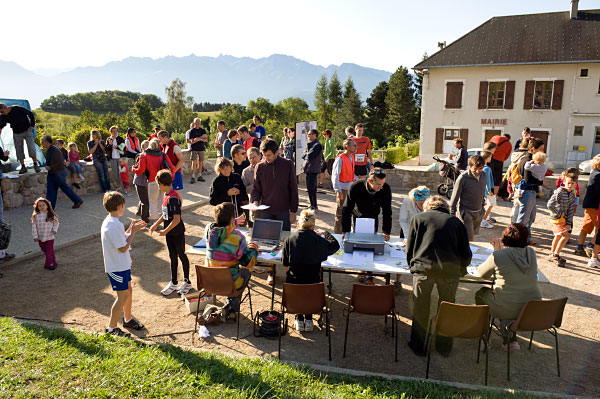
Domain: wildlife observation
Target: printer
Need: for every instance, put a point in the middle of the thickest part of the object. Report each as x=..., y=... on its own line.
x=374, y=242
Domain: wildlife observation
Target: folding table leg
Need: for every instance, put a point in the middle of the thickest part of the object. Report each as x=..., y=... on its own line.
x=273, y=287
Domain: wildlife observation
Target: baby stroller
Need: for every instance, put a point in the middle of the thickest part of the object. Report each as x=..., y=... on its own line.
x=449, y=173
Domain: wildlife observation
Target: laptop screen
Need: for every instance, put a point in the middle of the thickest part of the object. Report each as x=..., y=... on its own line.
x=264, y=229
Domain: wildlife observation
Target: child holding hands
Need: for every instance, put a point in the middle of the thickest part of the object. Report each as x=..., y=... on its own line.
x=117, y=261
x=562, y=207
x=44, y=225
x=174, y=233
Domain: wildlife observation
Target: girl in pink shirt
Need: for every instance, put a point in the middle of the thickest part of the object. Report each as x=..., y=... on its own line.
x=44, y=225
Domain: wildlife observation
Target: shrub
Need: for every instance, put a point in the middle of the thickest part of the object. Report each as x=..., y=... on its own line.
x=396, y=155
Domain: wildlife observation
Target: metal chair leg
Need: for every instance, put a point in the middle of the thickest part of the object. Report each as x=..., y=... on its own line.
x=508, y=362
x=395, y=322
x=328, y=332
x=279, y=335
x=479, y=348
x=237, y=320
x=346, y=333
x=487, y=352
x=250, y=300
x=385, y=329
x=530, y=340
x=557, y=358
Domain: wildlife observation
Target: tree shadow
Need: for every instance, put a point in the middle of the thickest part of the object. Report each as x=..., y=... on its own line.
x=66, y=336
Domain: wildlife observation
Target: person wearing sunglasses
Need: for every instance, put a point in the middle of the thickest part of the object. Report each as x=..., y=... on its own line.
x=240, y=161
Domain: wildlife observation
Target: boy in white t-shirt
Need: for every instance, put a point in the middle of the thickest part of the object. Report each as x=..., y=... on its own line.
x=117, y=261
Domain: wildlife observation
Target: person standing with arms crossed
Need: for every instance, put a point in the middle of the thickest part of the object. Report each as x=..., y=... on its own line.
x=22, y=122
x=196, y=138
x=221, y=137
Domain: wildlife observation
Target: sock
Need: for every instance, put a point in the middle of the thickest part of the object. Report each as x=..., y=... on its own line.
x=590, y=245
x=195, y=175
x=579, y=247
x=187, y=281
x=127, y=321
x=110, y=329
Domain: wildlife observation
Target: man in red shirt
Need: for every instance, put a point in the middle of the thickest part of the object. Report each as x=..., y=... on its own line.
x=363, y=152
x=502, y=153
x=154, y=135
x=248, y=140
x=173, y=152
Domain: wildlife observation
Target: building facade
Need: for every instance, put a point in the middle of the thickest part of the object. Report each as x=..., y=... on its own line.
x=540, y=71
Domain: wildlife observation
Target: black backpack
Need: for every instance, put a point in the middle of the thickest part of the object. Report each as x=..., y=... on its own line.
x=4, y=235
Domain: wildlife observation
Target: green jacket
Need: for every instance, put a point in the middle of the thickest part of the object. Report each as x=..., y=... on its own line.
x=330, y=151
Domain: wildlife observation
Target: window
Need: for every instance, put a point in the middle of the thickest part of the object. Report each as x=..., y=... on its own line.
x=543, y=95
x=578, y=131
x=597, y=138
x=454, y=95
x=583, y=73
x=599, y=87
x=496, y=94
x=451, y=134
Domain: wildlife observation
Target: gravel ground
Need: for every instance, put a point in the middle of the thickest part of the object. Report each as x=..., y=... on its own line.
x=78, y=292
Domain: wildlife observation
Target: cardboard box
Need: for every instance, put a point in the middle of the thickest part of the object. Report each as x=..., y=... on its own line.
x=192, y=301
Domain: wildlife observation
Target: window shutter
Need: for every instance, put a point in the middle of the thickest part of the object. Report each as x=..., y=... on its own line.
x=557, y=94
x=529, y=88
x=464, y=135
x=483, y=93
x=454, y=95
x=439, y=140
x=509, y=95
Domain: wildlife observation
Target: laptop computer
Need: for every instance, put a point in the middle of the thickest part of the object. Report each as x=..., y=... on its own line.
x=266, y=234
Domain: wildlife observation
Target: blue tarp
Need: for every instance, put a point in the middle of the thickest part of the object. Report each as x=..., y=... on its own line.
x=6, y=138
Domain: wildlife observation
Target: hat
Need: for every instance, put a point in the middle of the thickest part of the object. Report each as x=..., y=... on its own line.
x=157, y=127
x=131, y=129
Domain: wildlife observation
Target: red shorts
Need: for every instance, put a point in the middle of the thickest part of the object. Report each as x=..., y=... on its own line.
x=125, y=184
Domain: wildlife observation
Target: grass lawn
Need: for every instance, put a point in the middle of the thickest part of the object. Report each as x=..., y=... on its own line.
x=41, y=362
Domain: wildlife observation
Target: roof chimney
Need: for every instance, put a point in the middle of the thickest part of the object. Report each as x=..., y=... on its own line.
x=574, y=9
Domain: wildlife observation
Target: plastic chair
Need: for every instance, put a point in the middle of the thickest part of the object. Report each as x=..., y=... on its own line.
x=377, y=300
x=461, y=321
x=539, y=315
x=304, y=299
x=218, y=281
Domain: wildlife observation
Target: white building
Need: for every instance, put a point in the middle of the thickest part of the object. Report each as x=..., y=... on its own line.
x=540, y=71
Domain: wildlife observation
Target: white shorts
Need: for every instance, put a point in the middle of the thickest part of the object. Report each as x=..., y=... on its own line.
x=490, y=200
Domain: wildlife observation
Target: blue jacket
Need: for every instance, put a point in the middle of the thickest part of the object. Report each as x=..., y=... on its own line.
x=490, y=180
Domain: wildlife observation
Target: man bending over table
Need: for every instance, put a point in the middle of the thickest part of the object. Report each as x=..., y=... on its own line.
x=366, y=199
x=438, y=253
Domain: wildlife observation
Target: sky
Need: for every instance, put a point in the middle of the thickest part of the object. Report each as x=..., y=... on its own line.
x=381, y=34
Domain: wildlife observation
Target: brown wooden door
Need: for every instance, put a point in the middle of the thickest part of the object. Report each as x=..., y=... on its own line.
x=489, y=133
x=542, y=135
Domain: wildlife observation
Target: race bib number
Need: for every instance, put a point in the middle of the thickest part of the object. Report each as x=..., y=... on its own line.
x=165, y=212
x=359, y=157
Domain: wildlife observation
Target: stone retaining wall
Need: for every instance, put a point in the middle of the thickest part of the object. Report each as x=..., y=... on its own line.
x=25, y=189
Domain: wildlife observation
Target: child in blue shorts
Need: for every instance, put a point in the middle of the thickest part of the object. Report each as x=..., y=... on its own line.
x=117, y=261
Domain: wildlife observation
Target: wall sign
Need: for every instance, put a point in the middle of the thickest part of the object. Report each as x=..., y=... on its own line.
x=493, y=122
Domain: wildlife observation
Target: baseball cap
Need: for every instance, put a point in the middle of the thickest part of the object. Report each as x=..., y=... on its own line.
x=157, y=127
x=131, y=129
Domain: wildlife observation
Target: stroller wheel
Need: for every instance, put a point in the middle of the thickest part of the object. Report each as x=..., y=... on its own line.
x=442, y=189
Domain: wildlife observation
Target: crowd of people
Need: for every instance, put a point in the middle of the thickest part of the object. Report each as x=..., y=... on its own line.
x=252, y=168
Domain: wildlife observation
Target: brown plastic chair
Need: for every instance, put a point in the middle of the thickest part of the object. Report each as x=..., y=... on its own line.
x=304, y=299
x=539, y=315
x=218, y=281
x=376, y=300
x=461, y=321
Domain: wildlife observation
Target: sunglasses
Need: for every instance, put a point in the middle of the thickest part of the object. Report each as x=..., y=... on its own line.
x=378, y=171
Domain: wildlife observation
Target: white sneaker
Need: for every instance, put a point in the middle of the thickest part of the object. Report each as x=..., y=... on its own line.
x=184, y=288
x=269, y=279
x=309, y=325
x=485, y=224
x=169, y=289
x=594, y=262
x=299, y=325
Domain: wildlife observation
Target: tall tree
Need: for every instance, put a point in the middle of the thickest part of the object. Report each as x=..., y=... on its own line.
x=401, y=105
x=376, y=111
x=336, y=97
x=351, y=111
x=142, y=112
x=324, y=117
x=178, y=111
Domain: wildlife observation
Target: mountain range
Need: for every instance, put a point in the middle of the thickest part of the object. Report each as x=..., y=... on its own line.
x=209, y=79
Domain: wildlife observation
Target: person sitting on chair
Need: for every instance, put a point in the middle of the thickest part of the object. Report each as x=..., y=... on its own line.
x=303, y=252
x=227, y=247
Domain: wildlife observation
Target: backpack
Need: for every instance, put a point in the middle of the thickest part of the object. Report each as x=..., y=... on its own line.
x=4, y=235
x=164, y=164
x=513, y=173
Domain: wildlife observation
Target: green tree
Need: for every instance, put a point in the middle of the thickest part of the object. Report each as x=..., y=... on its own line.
x=234, y=115
x=142, y=113
x=351, y=111
x=294, y=109
x=178, y=111
x=263, y=108
x=324, y=116
x=336, y=97
x=401, y=105
x=376, y=111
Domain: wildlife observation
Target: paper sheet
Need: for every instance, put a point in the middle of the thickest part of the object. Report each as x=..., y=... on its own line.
x=397, y=253
x=252, y=207
x=474, y=249
x=364, y=225
x=471, y=270
x=10, y=176
x=331, y=261
x=357, y=258
x=266, y=256
x=489, y=250
x=201, y=243
x=480, y=256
